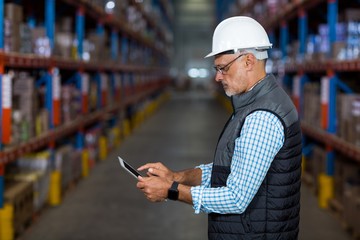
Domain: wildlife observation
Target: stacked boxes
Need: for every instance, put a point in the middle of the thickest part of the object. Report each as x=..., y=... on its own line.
x=76, y=165
x=135, y=19
x=351, y=195
x=349, y=118
x=312, y=104
x=42, y=114
x=23, y=107
x=324, y=45
x=318, y=48
x=316, y=165
x=70, y=103
x=274, y=6
x=344, y=48
x=13, y=19
x=352, y=41
x=63, y=45
x=346, y=175
x=35, y=168
x=41, y=43
x=93, y=96
x=100, y=51
x=120, y=9
x=63, y=165
x=40, y=181
x=92, y=137
x=42, y=122
x=64, y=39
x=68, y=163
x=25, y=39
x=352, y=17
x=26, y=192
x=352, y=208
x=19, y=196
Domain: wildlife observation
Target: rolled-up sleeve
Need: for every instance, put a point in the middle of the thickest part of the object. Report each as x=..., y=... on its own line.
x=196, y=192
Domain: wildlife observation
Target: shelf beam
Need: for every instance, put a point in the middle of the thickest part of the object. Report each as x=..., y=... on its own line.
x=340, y=145
x=323, y=66
x=25, y=61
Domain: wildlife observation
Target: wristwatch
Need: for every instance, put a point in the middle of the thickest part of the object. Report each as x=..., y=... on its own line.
x=173, y=192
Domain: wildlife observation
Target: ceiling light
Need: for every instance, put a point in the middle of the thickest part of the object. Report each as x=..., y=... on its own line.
x=110, y=5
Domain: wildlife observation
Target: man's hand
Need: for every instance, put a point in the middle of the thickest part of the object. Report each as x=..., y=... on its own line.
x=160, y=178
x=155, y=188
x=158, y=169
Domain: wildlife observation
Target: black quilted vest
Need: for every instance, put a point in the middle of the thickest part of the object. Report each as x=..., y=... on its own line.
x=274, y=211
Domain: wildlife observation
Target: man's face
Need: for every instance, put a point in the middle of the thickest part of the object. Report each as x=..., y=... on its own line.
x=231, y=73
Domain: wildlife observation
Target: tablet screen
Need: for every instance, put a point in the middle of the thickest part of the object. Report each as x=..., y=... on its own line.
x=129, y=168
x=136, y=173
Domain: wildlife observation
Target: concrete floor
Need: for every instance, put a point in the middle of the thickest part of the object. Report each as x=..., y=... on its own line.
x=107, y=205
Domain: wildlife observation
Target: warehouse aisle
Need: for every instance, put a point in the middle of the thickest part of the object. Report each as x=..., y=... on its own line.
x=107, y=205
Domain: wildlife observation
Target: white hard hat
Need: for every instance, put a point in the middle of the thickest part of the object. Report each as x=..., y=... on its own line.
x=240, y=33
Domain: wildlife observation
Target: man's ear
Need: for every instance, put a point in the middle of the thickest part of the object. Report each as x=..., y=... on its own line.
x=250, y=61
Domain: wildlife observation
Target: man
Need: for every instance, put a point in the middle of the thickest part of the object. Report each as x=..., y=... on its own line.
x=252, y=188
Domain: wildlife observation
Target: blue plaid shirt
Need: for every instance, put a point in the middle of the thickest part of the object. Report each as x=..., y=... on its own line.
x=261, y=138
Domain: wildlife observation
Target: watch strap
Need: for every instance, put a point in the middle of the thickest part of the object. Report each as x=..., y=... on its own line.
x=173, y=192
x=174, y=186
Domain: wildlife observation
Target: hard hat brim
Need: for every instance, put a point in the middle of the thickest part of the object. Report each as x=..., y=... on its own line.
x=219, y=52
x=211, y=54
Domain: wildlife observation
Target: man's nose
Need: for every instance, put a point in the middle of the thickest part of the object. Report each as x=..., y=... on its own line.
x=218, y=76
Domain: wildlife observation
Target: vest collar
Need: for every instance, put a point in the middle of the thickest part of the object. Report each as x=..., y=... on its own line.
x=241, y=100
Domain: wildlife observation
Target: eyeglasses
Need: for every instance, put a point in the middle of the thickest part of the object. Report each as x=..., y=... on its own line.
x=223, y=70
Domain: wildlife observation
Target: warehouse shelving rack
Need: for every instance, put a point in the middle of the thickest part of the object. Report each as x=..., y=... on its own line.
x=329, y=67
x=117, y=70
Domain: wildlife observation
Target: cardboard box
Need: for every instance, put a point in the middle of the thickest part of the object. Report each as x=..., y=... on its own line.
x=352, y=14
x=349, y=118
x=40, y=181
x=63, y=44
x=68, y=163
x=352, y=207
x=70, y=103
x=338, y=50
x=24, y=103
x=19, y=195
x=339, y=181
x=312, y=104
x=12, y=36
x=25, y=39
x=40, y=42
x=316, y=165
x=14, y=12
x=65, y=25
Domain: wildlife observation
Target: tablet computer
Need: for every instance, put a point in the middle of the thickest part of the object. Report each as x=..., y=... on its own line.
x=129, y=168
